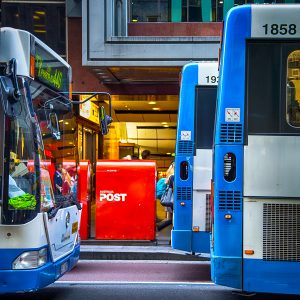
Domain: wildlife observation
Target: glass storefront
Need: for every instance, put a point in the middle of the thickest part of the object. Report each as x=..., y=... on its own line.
x=187, y=10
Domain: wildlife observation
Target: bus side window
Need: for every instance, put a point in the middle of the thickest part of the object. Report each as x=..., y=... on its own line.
x=229, y=167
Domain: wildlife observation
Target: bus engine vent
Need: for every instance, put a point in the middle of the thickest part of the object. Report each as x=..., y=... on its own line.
x=185, y=147
x=184, y=193
x=281, y=232
x=230, y=200
x=231, y=133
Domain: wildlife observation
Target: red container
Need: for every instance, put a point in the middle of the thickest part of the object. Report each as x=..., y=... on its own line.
x=84, y=196
x=83, y=191
x=125, y=200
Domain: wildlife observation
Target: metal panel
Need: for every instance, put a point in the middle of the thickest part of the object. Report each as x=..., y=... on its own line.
x=201, y=210
x=29, y=235
x=281, y=231
x=202, y=169
x=272, y=166
x=278, y=16
x=271, y=228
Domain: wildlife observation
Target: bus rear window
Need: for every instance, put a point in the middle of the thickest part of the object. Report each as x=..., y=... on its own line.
x=293, y=89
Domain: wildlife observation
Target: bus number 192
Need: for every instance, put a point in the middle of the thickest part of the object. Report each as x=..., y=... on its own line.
x=280, y=29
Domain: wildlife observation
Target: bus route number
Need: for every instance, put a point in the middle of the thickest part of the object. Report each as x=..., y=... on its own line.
x=280, y=29
x=212, y=79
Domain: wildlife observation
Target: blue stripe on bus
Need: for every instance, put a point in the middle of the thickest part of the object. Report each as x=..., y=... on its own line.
x=226, y=263
x=271, y=276
x=182, y=218
x=30, y=280
x=200, y=242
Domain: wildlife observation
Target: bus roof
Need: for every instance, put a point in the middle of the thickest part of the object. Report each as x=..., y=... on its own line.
x=21, y=45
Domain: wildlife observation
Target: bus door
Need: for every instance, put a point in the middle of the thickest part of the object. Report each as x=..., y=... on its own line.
x=271, y=164
x=58, y=170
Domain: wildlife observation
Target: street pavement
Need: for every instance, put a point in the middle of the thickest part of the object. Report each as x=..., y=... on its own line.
x=138, y=271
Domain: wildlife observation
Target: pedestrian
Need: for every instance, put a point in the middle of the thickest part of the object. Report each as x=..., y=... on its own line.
x=146, y=154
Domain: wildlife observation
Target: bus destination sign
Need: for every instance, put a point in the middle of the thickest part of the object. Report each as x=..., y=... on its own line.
x=50, y=71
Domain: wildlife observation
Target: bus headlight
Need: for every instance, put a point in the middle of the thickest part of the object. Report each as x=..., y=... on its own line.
x=30, y=260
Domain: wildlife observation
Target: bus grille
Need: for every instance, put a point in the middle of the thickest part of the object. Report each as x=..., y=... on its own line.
x=230, y=200
x=184, y=193
x=281, y=232
x=231, y=133
x=208, y=214
x=185, y=147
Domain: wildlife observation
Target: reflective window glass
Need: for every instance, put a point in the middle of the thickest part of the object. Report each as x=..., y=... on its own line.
x=293, y=89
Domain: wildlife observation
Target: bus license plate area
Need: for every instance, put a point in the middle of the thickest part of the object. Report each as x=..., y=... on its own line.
x=64, y=268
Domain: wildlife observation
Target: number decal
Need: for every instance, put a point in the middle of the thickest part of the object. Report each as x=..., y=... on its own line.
x=280, y=29
x=212, y=79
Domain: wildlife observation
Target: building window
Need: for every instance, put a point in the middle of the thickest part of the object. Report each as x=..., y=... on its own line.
x=187, y=10
x=150, y=11
x=44, y=20
x=191, y=11
x=293, y=89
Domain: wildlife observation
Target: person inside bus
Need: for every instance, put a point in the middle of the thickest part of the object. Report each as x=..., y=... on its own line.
x=58, y=180
x=66, y=182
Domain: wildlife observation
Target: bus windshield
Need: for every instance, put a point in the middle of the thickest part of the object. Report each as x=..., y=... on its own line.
x=21, y=191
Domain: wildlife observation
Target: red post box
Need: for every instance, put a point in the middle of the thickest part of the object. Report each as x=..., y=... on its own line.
x=125, y=200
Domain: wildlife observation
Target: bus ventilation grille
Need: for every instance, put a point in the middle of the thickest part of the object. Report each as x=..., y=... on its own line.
x=208, y=214
x=281, y=232
x=185, y=147
x=230, y=200
x=184, y=193
x=231, y=133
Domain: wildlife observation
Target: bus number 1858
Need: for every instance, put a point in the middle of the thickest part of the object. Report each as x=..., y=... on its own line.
x=280, y=29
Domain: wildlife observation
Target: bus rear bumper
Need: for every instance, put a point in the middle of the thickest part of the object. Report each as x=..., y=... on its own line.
x=16, y=281
x=181, y=240
x=280, y=277
x=227, y=271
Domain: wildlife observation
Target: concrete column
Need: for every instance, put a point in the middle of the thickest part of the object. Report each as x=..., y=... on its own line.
x=120, y=17
x=206, y=11
x=176, y=6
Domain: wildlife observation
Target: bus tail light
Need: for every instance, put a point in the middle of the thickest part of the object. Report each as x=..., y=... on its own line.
x=70, y=90
x=32, y=66
x=249, y=252
x=30, y=260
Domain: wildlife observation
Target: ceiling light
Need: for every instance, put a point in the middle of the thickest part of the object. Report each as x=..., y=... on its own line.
x=164, y=123
x=168, y=153
x=155, y=108
x=67, y=123
x=152, y=102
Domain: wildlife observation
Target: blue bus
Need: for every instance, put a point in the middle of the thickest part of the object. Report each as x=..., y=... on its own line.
x=40, y=212
x=193, y=159
x=256, y=163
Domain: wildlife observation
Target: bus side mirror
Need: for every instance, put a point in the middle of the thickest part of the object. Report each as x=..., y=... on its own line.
x=105, y=120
